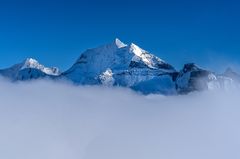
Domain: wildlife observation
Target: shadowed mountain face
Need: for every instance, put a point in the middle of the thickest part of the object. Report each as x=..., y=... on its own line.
x=193, y=78
x=119, y=64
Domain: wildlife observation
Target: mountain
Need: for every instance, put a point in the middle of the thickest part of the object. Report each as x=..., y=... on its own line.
x=232, y=74
x=28, y=69
x=119, y=64
x=193, y=78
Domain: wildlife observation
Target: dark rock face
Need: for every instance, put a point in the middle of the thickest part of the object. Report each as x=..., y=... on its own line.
x=192, y=78
x=190, y=67
x=198, y=80
x=134, y=64
x=165, y=66
x=174, y=76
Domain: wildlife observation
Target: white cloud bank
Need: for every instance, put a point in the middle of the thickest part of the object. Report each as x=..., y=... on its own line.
x=45, y=120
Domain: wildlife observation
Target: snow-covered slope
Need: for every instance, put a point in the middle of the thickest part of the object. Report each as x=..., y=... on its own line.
x=28, y=69
x=128, y=64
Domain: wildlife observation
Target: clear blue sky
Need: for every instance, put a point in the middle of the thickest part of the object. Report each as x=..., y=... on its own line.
x=56, y=32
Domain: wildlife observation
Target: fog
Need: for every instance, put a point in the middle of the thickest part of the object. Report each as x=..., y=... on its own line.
x=46, y=120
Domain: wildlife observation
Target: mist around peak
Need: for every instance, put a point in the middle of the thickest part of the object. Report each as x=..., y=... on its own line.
x=45, y=119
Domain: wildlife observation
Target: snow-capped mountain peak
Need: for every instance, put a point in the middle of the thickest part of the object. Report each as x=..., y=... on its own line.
x=119, y=43
x=136, y=49
x=150, y=60
x=28, y=69
x=116, y=44
x=120, y=59
x=30, y=63
x=33, y=63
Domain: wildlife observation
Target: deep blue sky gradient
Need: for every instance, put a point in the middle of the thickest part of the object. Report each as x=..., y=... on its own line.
x=55, y=32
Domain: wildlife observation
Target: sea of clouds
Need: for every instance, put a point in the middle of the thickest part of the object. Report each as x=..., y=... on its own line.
x=47, y=120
